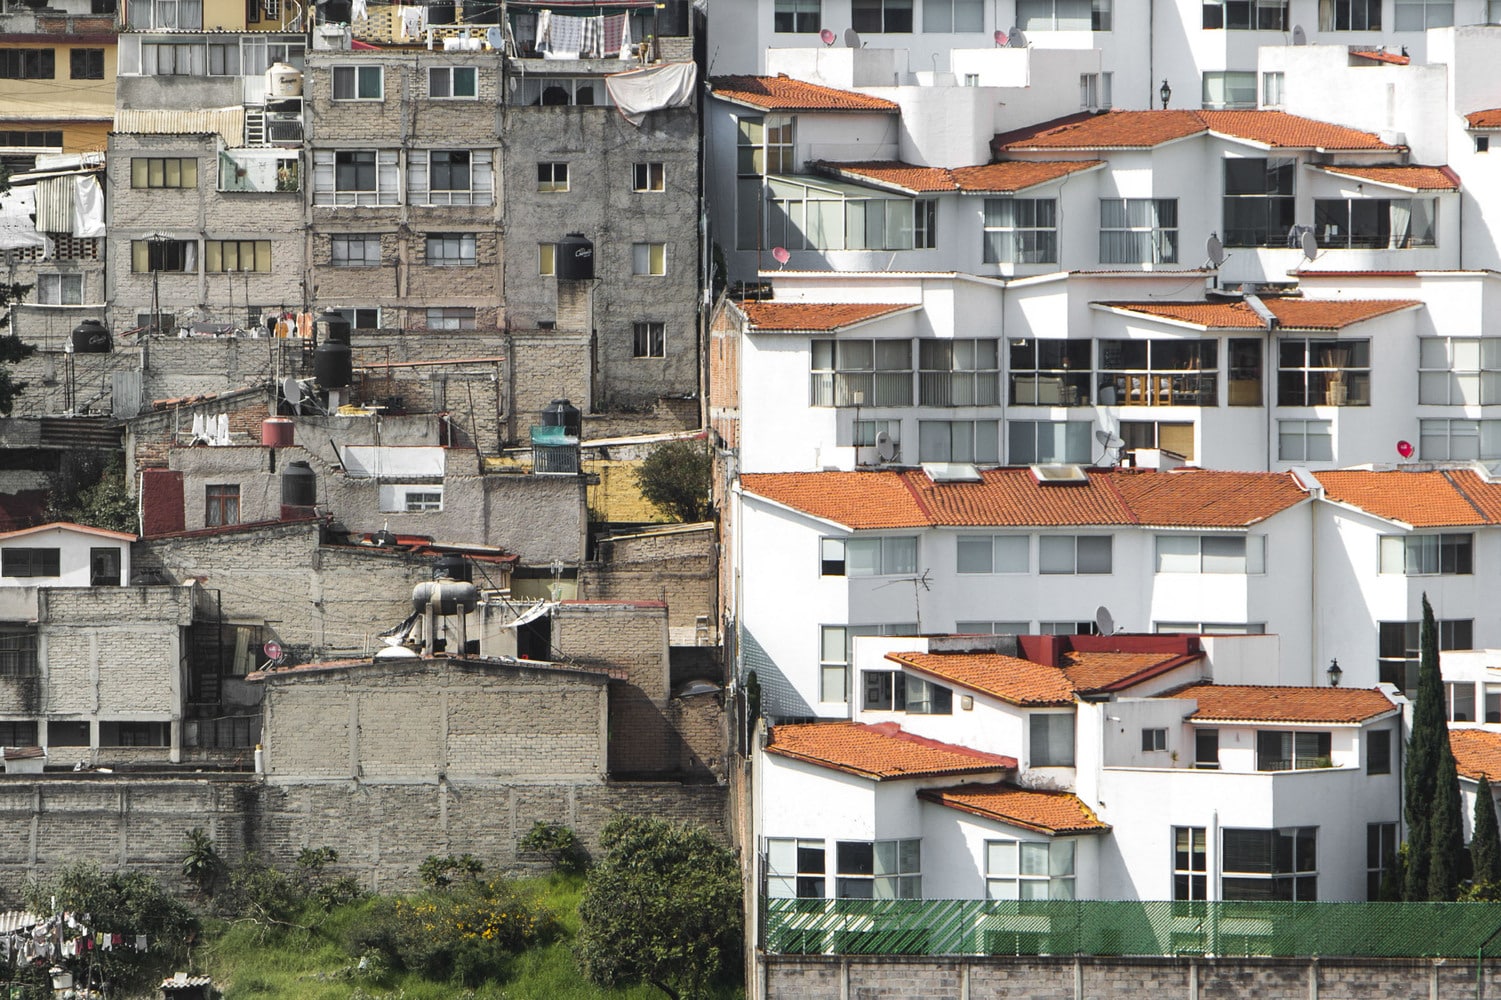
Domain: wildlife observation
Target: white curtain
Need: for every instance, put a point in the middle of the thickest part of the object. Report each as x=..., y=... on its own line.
x=1401, y=223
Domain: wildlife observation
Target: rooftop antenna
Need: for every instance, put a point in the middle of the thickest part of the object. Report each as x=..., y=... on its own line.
x=1300, y=37
x=1104, y=621
x=1214, y=250
x=851, y=38
x=827, y=36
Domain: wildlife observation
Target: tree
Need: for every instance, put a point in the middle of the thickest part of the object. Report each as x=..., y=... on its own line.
x=1428, y=729
x=1485, y=845
x=1446, y=829
x=663, y=906
x=12, y=349
x=675, y=479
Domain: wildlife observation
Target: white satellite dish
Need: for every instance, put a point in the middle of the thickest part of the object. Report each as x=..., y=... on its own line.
x=291, y=390
x=495, y=38
x=1108, y=440
x=1310, y=244
x=1300, y=37
x=851, y=38
x=1214, y=250
x=1016, y=39
x=1104, y=621
x=885, y=447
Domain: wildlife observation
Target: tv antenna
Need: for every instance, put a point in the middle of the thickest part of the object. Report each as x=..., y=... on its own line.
x=1214, y=250
x=1310, y=244
x=1104, y=621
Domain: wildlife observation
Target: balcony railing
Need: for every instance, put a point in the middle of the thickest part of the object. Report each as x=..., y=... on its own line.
x=1110, y=928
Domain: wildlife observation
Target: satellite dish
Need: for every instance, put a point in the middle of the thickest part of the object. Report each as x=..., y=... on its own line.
x=291, y=390
x=495, y=38
x=885, y=447
x=1214, y=250
x=1108, y=440
x=851, y=38
x=1017, y=39
x=1310, y=244
x=1300, y=37
x=272, y=649
x=827, y=36
x=780, y=255
x=1104, y=621
x=1404, y=448
x=1000, y=39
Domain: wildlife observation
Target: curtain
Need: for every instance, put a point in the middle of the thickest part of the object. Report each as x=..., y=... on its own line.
x=1401, y=223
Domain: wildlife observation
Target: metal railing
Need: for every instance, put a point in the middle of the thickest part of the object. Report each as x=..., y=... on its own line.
x=1111, y=928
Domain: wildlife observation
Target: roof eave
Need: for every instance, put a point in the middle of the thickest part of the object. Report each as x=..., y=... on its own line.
x=1020, y=824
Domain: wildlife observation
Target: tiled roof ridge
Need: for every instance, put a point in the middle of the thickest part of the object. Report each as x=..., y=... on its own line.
x=917, y=495
x=1131, y=516
x=949, y=798
x=1459, y=488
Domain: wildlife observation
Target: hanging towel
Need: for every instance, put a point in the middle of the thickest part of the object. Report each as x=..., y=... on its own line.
x=88, y=206
x=589, y=47
x=565, y=37
x=544, y=29
x=610, y=31
x=625, y=39
x=635, y=92
x=413, y=22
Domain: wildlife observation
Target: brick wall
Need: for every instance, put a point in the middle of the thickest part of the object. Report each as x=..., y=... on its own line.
x=724, y=374
x=675, y=565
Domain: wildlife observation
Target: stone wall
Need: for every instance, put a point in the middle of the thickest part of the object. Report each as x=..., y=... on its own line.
x=817, y=977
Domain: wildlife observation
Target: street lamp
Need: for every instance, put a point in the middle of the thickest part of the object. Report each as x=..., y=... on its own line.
x=1335, y=673
x=1165, y=92
x=156, y=244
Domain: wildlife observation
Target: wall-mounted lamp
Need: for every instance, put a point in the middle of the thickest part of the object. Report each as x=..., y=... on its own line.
x=1165, y=92
x=1335, y=673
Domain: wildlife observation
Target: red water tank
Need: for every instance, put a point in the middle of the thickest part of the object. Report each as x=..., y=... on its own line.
x=276, y=432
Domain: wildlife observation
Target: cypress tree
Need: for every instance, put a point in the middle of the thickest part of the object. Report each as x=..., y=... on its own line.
x=1485, y=845
x=1446, y=829
x=1420, y=775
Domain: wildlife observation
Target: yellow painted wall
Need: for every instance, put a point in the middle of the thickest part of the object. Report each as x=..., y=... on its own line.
x=86, y=108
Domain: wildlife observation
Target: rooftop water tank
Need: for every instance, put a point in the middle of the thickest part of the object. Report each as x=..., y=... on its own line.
x=283, y=81
x=575, y=258
x=447, y=597
x=277, y=432
x=562, y=413
x=91, y=337
x=452, y=566
x=299, y=485
x=333, y=366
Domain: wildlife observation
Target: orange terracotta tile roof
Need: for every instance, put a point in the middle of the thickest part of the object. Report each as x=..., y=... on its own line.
x=1490, y=118
x=1031, y=809
x=1090, y=671
x=782, y=93
x=813, y=317
x=879, y=752
x=1418, y=178
x=1292, y=314
x=1255, y=703
x=893, y=173
x=1377, y=56
x=1429, y=499
x=1011, y=496
x=1477, y=753
x=1009, y=678
x=1016, y=175
x=1144, y=129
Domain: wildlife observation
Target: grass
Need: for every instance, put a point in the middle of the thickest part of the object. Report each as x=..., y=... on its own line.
x=248, y=962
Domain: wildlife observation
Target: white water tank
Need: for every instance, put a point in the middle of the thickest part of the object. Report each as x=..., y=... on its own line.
x=283, y=81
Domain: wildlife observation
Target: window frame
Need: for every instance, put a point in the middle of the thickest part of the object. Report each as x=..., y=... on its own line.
x=92, y=63
x=1448, y=553
x=649, y=260
x=1295, y=883
x=1161, y=372
x=648, y=339
x=1132, y=238
x=1447, y=381
x=891, y=17
x=452, y=74
x=974, y=15
x=860, y=371
x=1073, y=542
x=221, y=505
x=1276, y=196
x=59, y=288
x=216, y=252
x=1431, y=14
x=879, y=556
x=451, y=318
x=1190, y=863
x=164, y=172
x=465, y=247
x=1298, y=429
x=354, y=81
x=796, y=17
x=1485, y=433
x=1296, y=750
x=1252, y=556
x=1255, y=18
x=1238, y=89
x=1380, y=852
x=974, y=441
x=1310, y=383
x=1041, y=751
x=28, y=64
x=1006, y=864
x=962, y=371
x=1329, y=213
x=994, y=543
x=31, y=562
x=1378, y=761
x=552, y=176
x=649, y=177
x=1351, y=15
x=808, y=877
x=1029, y=12
x=1028, y=241
x=337, y=258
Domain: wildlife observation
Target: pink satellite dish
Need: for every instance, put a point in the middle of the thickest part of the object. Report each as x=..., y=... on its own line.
x=1404, y=448
x=827, y=36
x=780, y=255
x=1001, y=39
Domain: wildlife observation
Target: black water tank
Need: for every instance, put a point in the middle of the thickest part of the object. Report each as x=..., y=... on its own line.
x=91, y=337
x=452, y=566
x=441, y=12
x=299, y=485
x=562, y=413
x=333, y=366
x=575, y=258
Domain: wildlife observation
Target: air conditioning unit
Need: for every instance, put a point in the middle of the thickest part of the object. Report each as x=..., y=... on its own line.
x=288, y=130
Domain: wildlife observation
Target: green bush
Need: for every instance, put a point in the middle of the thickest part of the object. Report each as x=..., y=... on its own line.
x=441, y=872
x=559, y=844
x=269, y=895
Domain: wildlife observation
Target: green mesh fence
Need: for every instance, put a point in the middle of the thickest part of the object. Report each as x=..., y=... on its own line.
x=1095, y=927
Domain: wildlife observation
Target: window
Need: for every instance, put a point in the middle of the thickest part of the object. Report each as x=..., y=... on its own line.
x=31, y=137
x=261, y=171
x=649, y=259
x=1207, y=749
x=1374, y=223
x=1258, y=202
x=18, y=734
x=104, y=567
x=1323, y=372
x=1067, y=628
x=221, y=505
x=86, y=64
x=1380, y=857
x=59, y=289
x=1378, y=751
x=166, y=14
x=450, y=177
x=1397, y=649
x=450, y=318
x=134, y=734
x=1050, y=372
x=552, y=177
x=423, y=501
x=220, y=256
x=1139, y=434
x=1350, y=15
x=356, y=319
x=1244, y=355
x=882, y=869
x=760, y=148
x=1211, y=554
x=358, y=177
x=1021, y=869
x=1074, y=554
x=797, y=16
x=834, y=655
x=960, y=372
x=159, y=172
x=1492, y=703
x=1051, y=739
x=67, y=734
x=862, y=373
x=1459, y=700
x=1459, y=370
x=959, y=441
x=30, y=562
x=993, y=554
x=1153, y=740
x=1271, y=89
x=1021, y=231
x=354, y=250
x=451, y=250
x=27, y=64
x=1064, y=15
x=648, y=177
x=1229, y=89
x=1094, y=90
x=1423, y=555
x=893, y=556
x=992, y=628
x=649, y=340
x=1246, y=15
x=1138, y=230
x=1459, y=440
x=1209, y=628
x=1161, y=372
x=1190, y=863
x=1305, y=441
x=865, y=432
x=450, y=82
x=885, y=690
x=795, y=868
x=1044, y=442
x=163, y=255
x=889, y=16
x=1420, y=15
x=927, y=698
x=358, y=83
x=1287, y=751
x=806, y=214
x=953, y=15
x=1270, y=864
x=560, y=91
x=163, y=58
x=547, y=259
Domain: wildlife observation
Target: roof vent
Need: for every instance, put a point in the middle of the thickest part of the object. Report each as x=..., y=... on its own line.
x=952, y=472
x=1060, y=475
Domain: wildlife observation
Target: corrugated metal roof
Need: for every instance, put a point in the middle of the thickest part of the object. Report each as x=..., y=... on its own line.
x=18, y=920
x=54, y=205
x=227, y=122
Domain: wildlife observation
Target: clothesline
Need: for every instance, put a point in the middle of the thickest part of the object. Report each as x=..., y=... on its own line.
x=60, y=937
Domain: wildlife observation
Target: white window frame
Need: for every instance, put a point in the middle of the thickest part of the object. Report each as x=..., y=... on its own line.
x=420, y=174
x=1046, y=748
x=1236, y=90
x=1013, y=234
x=1300, y=880
x=649, y=260
x=59, y=289
x=340, y=245
x=648, y=339
x=834, y=655
x=1095, y=91
x=450, y=318
x=1131, y=231
x=1457, y=440
x=1211, y=554
x=1030, y=869
x=796, y=16
x=993, y=628
x=454, y=250
x=886, y=555
x=999, y=554
x=976, y=441
x=1077, y=441
x=896, y=870
x=451, y=77
x=1428, y=554
x=1042, y=15
x=1056, y=547
x=953, y=17
x=1290, y=432
x=791, y=868
x=1459, y=371
x=1420, y=15
x=1272, y=89
x=327, y=191
x=552, y=176
x=354, y=80
x=649, y=176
